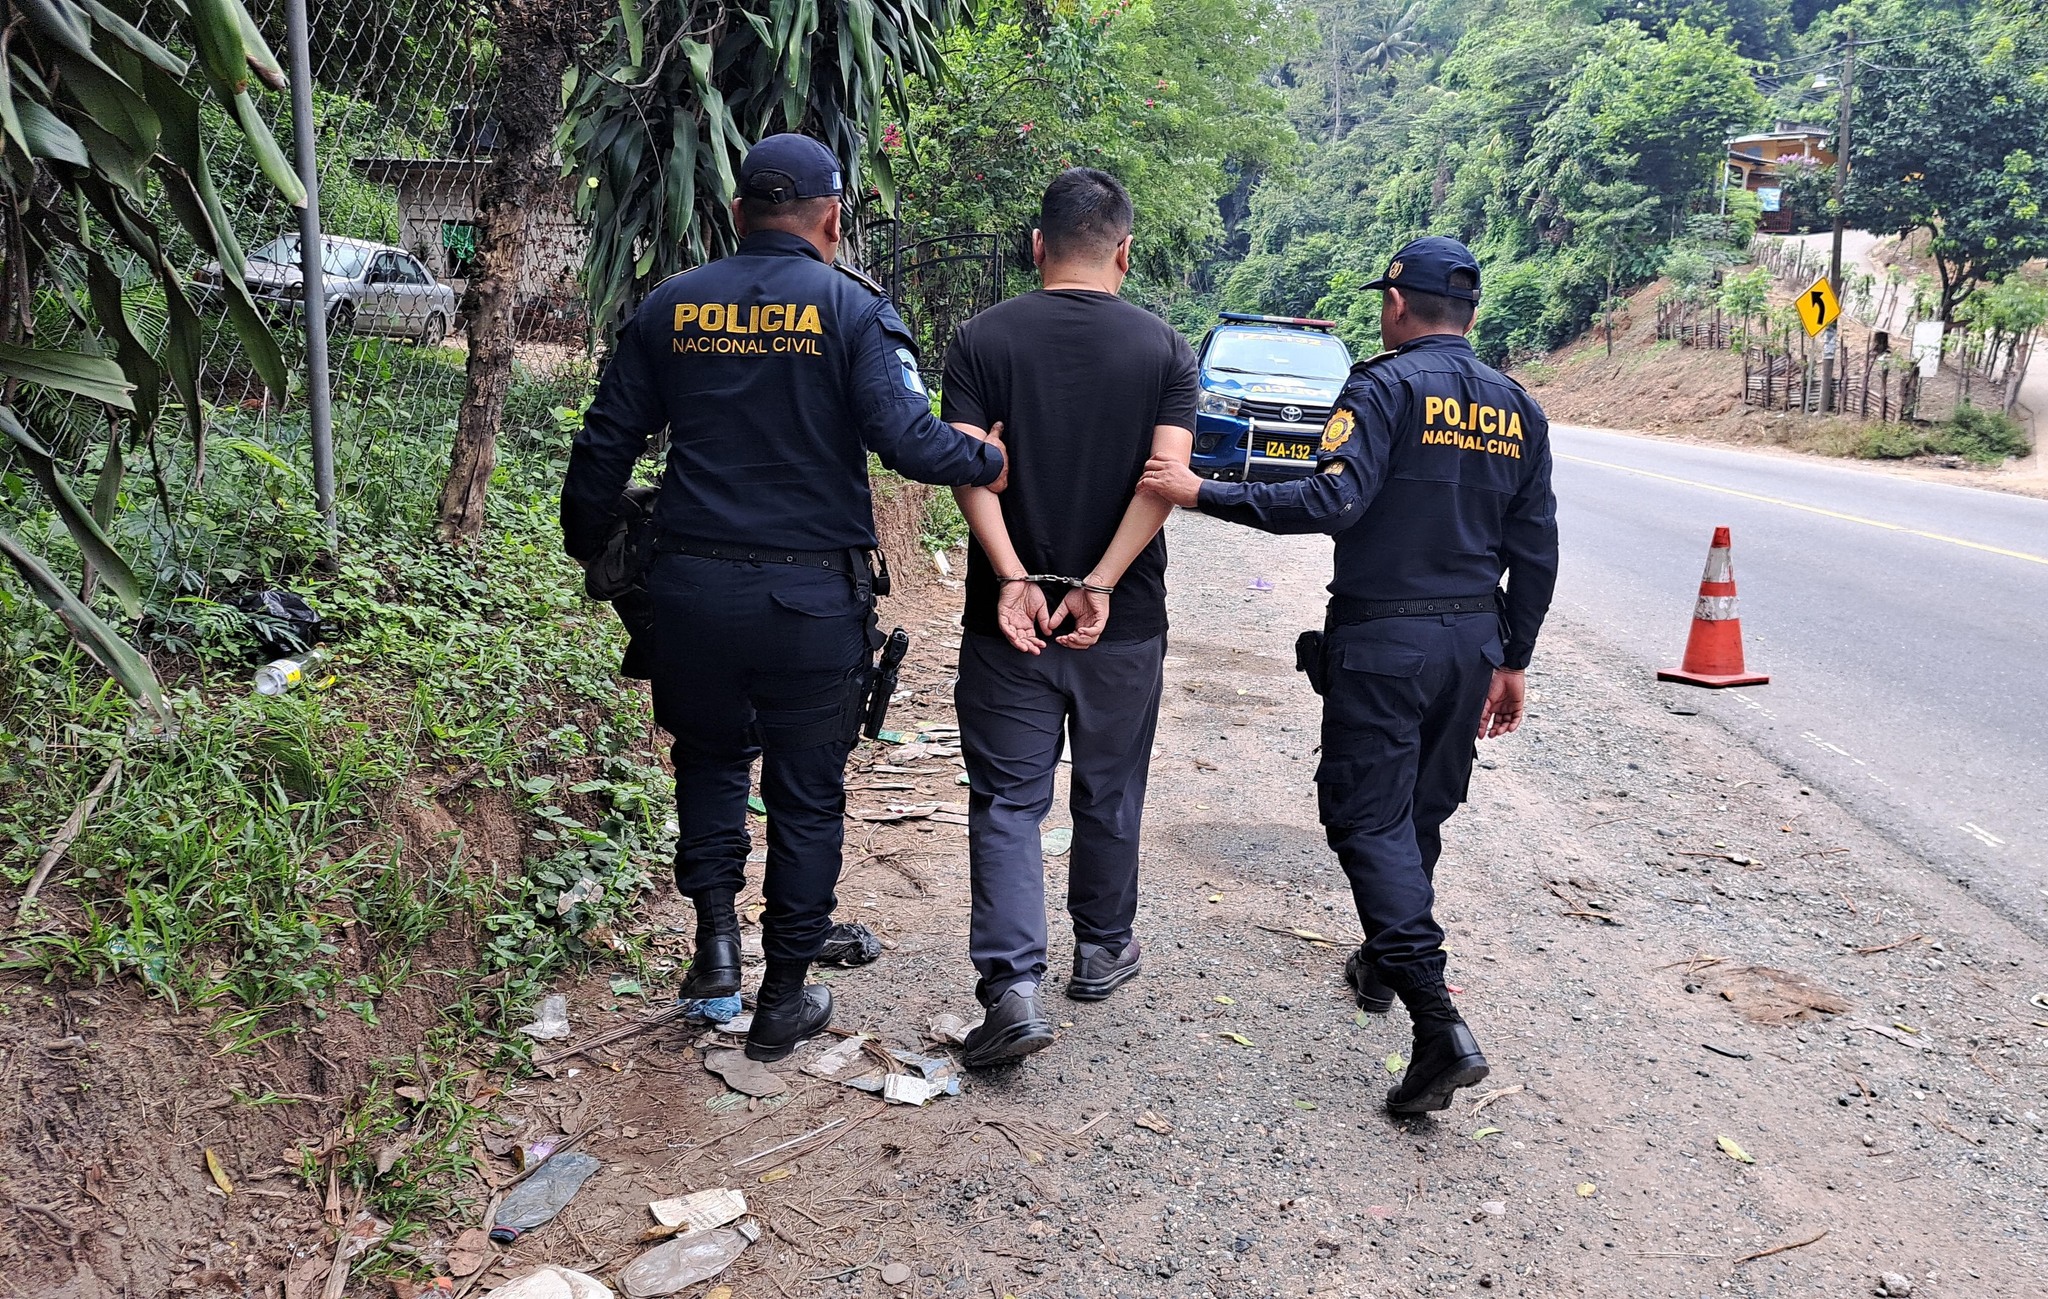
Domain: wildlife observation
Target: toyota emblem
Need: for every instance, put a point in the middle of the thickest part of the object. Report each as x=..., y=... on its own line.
x=1292, y=414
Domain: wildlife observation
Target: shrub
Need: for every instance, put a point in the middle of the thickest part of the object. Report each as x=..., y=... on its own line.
x=1888, y=442
x=1985, y=436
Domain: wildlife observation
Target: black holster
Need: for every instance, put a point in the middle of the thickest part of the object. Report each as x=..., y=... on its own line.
x=1312, y=659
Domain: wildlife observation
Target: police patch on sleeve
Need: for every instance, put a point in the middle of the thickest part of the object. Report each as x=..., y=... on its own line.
x=912, y=380
x=1339, y=430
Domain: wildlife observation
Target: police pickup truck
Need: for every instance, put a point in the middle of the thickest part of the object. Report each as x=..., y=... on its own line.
x=1268, y=385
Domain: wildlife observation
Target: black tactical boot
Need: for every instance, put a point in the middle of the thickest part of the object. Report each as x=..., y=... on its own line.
x=1446, y=1055
x=1373, y=996
x=787, y=1011
x=715, y=967
x=1013, y=1028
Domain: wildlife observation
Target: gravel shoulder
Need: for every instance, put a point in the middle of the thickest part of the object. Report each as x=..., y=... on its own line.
x=1663, y=939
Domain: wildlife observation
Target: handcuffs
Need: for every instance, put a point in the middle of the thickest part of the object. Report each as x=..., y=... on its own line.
x=1053, y=579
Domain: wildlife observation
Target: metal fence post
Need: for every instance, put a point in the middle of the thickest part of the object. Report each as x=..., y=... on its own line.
x=312, y=255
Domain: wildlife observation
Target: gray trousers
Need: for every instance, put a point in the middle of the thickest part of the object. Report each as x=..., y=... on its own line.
x=1013, y=708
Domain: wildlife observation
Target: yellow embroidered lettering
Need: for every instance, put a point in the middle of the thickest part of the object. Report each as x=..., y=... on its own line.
x=685, y=313
x=808, y=322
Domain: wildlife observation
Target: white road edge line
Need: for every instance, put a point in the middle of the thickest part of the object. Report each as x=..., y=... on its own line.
x=1981, y=835
x=1810, y=509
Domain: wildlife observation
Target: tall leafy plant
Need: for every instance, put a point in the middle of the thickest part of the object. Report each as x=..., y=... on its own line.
x=101, y=150
x=654, y=135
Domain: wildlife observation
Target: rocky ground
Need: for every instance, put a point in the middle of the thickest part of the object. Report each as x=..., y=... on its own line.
x=1740, y=1044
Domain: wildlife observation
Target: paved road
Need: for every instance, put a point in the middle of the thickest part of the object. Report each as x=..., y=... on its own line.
x=1904, y=624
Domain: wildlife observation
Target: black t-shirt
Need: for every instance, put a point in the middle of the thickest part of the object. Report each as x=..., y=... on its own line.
x=1078, y=379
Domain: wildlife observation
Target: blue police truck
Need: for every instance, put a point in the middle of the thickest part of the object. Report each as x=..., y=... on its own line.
x=1268, y=385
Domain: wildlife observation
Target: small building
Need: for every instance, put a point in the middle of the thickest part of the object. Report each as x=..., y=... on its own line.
x=437, y=207
x=1760, y=163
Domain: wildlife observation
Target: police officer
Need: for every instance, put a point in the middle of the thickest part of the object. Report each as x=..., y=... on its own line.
x=1435, y=478
x=775, y=371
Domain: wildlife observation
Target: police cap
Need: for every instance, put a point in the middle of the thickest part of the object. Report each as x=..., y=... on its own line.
x=785, y=168
x=1426, y=264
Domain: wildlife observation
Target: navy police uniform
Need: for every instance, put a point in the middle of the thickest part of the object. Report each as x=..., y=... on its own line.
x=775, y=374
x=1436, y=481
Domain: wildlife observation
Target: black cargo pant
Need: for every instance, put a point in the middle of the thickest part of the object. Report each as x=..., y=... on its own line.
x=1400, y=716
x=756, y=660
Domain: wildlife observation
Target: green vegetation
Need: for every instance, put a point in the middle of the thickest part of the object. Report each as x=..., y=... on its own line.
x=1169, y=95
x=1980, y=436
x=271, y=862
x=1576, y=145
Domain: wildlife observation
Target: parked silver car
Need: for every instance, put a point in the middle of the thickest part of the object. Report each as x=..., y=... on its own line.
x=371, y=288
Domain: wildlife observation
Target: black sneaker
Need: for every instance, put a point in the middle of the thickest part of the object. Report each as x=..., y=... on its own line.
x=1373, y=997
x=1098, y=971
x=1013, y=1029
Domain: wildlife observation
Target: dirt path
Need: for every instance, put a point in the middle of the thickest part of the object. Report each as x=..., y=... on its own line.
x=1149, y=1152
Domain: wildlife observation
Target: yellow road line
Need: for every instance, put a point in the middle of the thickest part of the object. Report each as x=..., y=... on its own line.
x=1810, y=509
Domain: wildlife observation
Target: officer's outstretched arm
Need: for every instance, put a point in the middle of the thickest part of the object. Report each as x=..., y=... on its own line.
x=1330, y=501
x=895, y=413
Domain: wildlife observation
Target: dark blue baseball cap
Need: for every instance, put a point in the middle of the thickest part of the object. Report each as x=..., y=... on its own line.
x=1426, y=264
x=785, y=168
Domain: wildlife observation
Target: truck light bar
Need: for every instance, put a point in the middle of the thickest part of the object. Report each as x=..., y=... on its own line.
x=1249, y=319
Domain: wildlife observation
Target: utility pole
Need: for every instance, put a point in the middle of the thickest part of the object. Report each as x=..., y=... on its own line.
x=1831, y=345
x=312, y=270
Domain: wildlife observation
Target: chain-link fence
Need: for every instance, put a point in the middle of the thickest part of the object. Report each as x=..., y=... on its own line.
x=403, y=126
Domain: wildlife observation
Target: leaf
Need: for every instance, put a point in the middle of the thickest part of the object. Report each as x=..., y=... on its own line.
x=217, y=34
x=1733, y=1151
x=1360, y=1019
x=79, y=521
x=1215, y=897
x=105, y=645
x=1238, y=1038
x=777, y=1174
x=1304, y=1105
x=95, y=377
x=125, y=32
x=1484, y=1133
x=1586, y=1190
x=43, y=135
x=1395, y=1062
x=636, y=34
x=625, y=987
x=218, y=1172
x=757, y=807
x=268, y=156
x=1225, y=1001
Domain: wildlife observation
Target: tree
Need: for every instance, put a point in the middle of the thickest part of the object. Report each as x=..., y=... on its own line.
x=1167, y=96
x=102, y=155
x=653, y=134
x=1955, y=143
x=535, y=41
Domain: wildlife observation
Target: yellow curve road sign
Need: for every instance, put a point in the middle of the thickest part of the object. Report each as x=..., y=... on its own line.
x=1818, y=307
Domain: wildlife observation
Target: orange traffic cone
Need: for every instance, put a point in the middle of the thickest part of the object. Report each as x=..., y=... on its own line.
x=1713, y=652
